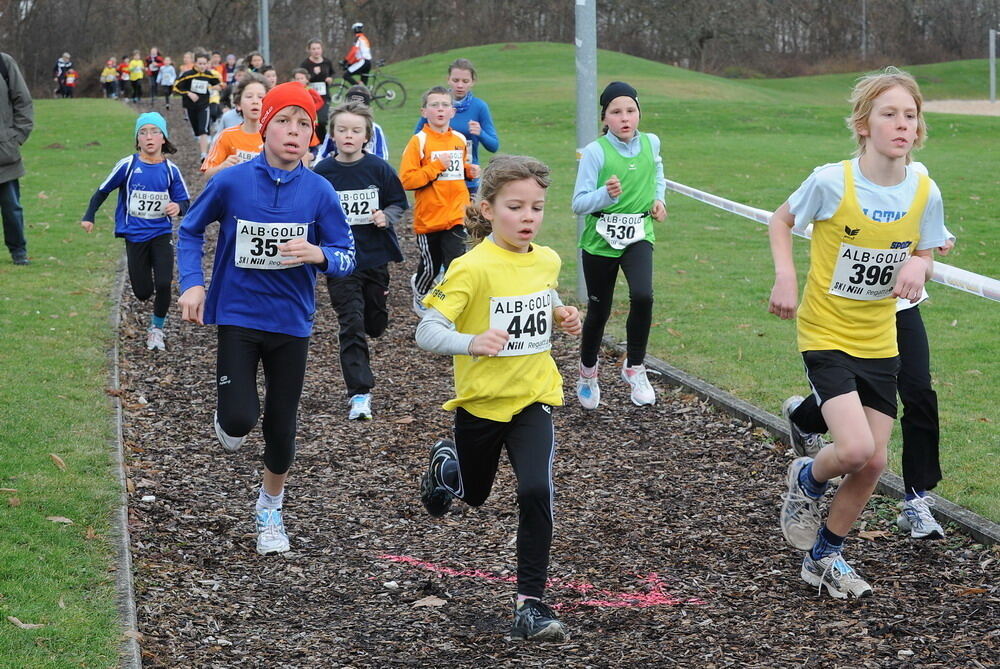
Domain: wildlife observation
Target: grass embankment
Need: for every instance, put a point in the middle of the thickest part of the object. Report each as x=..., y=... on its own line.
x=754, y=142
x=54, y=339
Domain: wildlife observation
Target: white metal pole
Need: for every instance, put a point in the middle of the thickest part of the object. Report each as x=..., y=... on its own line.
x=586, y=103
x=264, y=30
x=993, y=65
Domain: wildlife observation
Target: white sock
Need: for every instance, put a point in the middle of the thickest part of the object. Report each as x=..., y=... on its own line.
x=588, y=372
x=521, y=599
x=266, y=501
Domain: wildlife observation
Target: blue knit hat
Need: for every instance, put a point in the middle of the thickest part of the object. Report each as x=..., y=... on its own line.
x=152, y=118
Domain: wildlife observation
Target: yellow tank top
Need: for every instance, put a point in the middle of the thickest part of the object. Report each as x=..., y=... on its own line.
x=847, y=303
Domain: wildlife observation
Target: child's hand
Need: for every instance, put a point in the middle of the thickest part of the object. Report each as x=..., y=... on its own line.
x=299, y=250
x=192, y=304
x=172, y=209
x=192, y=96
x=442, y=162
x=910, y=284
x=614, y=186
x=472, y=170
x=378, y=218
x=489, y=343
x=568, y=319
x=87, y=225
x=946, y=248
x=659, y=211
x=230, y=161
x=475, y=128
x=784, y=297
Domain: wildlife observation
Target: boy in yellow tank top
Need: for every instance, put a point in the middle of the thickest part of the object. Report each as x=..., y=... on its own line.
x=876, y=221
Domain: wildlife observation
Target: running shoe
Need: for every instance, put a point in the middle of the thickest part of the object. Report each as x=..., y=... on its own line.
x=231, y=444
x=535, y=621
x=588, y=391
x=833, y=573
x=916, y=518
x=361, y=407
x=418, y=308
x=806, y=444
x=154, y=340
x=642, y=391
x=800, y=518
x=271, y=536
x=435, y=497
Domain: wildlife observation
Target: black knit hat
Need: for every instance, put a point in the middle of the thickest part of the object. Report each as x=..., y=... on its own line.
x=359, y=91
x=617, y=89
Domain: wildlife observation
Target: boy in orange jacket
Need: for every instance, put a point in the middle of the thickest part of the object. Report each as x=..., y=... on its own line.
x=435, y=165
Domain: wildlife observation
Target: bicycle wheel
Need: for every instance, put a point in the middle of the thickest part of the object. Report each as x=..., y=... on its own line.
x=337, y=92
x=389, y=94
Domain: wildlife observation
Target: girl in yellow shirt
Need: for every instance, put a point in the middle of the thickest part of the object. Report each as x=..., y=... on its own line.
x=494, y=312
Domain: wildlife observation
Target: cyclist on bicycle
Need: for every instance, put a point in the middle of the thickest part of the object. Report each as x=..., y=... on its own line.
x=358, y=60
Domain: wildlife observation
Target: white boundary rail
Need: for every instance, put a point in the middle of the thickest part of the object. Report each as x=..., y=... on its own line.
x=983, y=286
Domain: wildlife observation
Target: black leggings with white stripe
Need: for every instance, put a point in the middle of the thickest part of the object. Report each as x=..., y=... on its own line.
x=530, y=443
x=437, y=249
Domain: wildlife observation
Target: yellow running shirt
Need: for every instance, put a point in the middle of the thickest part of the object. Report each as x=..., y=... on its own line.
x=847, y=304
x=492, y=287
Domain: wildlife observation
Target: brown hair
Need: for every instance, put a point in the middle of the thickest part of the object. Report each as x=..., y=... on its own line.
x=863, y=97
x=358, y=109
x=501, y=171
x=241, y=85
x=435, y=90
x=462, y=64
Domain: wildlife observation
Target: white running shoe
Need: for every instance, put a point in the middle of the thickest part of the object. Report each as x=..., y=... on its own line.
x=271, y=536
x=418, y=308
x=231, y=444
x=800, y=518
x=361, y=407
x=155, y=340
x=642, y=391
x=588, y=391
x=916, y=518
x=803, y=443
x=833, y=573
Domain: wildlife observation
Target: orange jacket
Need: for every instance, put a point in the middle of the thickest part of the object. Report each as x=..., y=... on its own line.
x=233, y=141
x=440, y=194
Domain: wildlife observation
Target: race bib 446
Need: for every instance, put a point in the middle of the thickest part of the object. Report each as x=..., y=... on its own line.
x=527, y=319
x=257, y=243
x=866, y=274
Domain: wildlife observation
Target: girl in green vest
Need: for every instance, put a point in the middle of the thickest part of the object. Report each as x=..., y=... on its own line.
x=619, y=187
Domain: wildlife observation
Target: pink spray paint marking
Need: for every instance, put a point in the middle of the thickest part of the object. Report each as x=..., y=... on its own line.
x=654, y=594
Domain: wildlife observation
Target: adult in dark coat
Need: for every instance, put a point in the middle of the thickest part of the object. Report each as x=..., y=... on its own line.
x=17, y=118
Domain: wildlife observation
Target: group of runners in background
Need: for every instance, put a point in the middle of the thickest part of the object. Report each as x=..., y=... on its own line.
x=486, y=293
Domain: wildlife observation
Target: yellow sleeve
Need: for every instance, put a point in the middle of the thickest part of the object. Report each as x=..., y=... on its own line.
x=453, y=294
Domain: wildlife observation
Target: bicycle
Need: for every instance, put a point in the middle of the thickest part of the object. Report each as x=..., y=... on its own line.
x=387, y=92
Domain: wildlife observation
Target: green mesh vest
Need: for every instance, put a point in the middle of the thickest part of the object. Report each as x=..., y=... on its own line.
x=638, y=179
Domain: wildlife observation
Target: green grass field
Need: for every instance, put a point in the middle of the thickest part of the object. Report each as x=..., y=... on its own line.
x=54, y=336
x=753, y=142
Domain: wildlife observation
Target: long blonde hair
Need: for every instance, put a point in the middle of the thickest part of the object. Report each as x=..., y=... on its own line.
x=501, y=171
x=863, y=97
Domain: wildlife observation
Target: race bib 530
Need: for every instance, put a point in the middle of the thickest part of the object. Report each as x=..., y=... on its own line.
x=257, y=243
x=866, y=274
x=526, y=318
x=620, y=230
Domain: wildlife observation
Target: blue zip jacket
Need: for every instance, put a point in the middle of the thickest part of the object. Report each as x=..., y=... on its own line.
x=130, y=176
x=244, y=199
x=471, y=108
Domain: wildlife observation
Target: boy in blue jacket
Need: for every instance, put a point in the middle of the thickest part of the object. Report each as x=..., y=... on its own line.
x=279, y=224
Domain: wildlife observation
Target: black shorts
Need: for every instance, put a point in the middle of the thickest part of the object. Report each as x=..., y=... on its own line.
x=835, y=373
x=199, y=117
